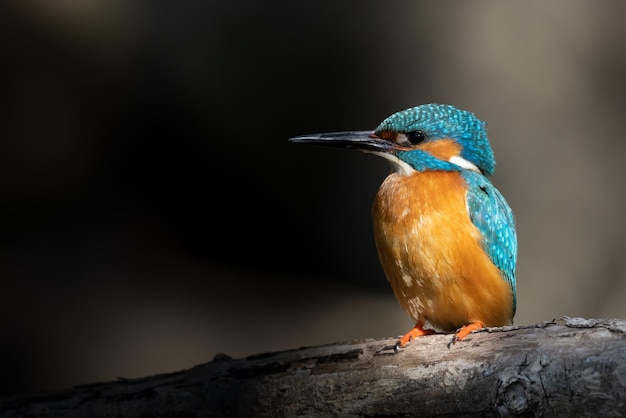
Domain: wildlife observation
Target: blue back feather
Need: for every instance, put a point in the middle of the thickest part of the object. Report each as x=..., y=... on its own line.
x=493, y=217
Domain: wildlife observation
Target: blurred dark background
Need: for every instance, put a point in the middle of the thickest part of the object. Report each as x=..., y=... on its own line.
x=154, y=213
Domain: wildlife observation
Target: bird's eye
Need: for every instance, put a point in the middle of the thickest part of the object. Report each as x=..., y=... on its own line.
x=416, y=137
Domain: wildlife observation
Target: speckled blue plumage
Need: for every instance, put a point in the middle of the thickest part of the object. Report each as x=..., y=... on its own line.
x=444, y=121
x=493, y=217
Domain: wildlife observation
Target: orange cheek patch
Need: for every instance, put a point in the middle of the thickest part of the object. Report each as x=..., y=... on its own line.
x=443, y=149
x=388, y=135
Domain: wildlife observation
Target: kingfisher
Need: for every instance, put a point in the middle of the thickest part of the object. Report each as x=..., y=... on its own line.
x=445, y=236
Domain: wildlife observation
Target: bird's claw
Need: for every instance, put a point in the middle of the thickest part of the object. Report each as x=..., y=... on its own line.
x=402, y=342
x=416, y=331
x=453, y=340
x=464, y=331
x=407, y=338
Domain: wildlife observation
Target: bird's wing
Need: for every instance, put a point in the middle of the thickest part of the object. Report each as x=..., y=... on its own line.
x=493, y=217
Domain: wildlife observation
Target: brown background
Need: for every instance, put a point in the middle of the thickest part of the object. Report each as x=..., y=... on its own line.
x=154, y=214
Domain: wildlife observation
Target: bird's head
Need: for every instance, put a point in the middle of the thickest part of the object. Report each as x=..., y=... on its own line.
x=426, y=137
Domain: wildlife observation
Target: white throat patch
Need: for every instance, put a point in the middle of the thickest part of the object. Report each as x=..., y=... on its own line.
x=399, y=166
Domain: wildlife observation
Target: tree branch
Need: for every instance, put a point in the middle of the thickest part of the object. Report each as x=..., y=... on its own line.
x=569, y=367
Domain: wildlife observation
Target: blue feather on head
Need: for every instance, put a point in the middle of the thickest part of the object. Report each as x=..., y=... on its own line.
x=440, y=121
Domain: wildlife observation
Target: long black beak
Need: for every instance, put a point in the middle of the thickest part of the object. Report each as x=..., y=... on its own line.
x=359, y=140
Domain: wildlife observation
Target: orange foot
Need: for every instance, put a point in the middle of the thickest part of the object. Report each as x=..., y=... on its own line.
x=463, y=332
x=416, y=331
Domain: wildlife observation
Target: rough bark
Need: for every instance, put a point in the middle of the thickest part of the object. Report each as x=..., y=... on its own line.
x=570, y=367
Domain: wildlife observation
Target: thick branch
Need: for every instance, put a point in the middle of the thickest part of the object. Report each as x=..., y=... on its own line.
x=570, y=367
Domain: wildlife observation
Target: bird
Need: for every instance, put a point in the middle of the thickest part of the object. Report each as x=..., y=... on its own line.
x=445, y=236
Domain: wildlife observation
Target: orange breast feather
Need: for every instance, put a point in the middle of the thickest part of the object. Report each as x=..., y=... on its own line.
x=432, y=256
